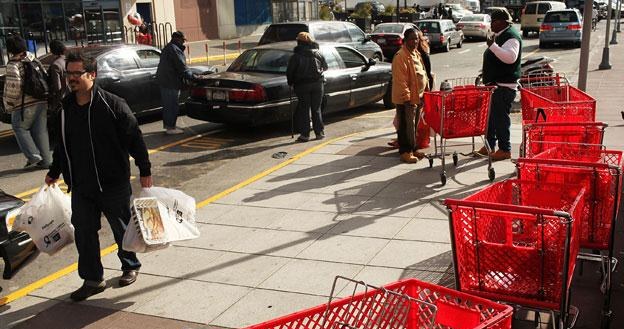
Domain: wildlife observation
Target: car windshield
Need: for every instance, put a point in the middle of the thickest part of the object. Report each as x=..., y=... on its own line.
x=472, y=18
x=389, y=28
x=561, y=17
x=282, y=32
x=429, y=27
x=262, y=60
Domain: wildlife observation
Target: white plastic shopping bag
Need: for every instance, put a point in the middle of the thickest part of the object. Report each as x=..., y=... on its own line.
x=180, y=223
x=134, y=237
x=47, y=219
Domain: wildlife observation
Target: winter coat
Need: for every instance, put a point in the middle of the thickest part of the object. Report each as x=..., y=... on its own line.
x=409, y=78
x=306, y=64
x=14, y=83
x=172, y=67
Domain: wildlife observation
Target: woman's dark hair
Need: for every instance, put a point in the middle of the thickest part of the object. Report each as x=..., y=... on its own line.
x=57, y=47
x=15, y=45
x=89, y=63
x=409, y=32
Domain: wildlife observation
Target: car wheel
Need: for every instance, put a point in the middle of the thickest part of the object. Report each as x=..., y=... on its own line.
x=460, y=43
x=387, y=99
x=377, y=57
x=447, y=47
x=542, y=45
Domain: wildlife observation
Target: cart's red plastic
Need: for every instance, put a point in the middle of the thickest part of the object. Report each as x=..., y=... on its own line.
x=563, y=113
x=535, y=134
x=560, y=95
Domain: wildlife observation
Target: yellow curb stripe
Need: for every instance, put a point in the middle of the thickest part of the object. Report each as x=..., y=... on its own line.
x=69, y=269
x=214, y=58
x=50, y=278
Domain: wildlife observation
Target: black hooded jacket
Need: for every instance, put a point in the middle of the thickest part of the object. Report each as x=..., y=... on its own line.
x=306, y=64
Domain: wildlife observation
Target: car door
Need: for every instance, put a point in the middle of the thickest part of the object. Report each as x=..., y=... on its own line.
x=337, y=82
x=363, y=82
x=359, y=41
x=148, y=62
x=118, y=72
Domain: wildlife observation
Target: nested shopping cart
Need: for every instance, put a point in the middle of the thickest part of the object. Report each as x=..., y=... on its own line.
x=558, y=93
x=462, y=111
x=535, y=134
x=409, y=304
x=516, y=241
x=599, y=171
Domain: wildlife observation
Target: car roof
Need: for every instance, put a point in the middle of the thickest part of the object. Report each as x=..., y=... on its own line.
x=395, y=23
x=433, y=20
x=308, y=22
x=289, y=45
x=97, y=50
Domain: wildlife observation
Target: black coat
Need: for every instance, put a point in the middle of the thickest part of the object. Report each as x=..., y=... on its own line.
x=306, y=64
x=115, y=134
x=172, y=67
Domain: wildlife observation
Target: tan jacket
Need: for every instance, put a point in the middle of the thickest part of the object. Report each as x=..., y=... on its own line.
x=14, y=85
x=409, y=78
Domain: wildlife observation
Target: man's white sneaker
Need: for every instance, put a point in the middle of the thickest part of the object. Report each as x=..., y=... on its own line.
x=174, y=131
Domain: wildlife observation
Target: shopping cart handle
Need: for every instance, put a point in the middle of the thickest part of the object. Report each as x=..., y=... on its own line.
x=542, y=112
x=506, y=208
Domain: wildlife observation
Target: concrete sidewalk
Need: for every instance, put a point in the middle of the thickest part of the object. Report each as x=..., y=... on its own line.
x=347, y=207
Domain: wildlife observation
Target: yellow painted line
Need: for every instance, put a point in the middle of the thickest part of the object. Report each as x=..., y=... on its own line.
x=213, y=58
x=182, y=141
x=73, y=267
x=200, y=147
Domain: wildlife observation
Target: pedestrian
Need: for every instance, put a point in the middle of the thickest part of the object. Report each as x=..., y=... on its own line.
x=58, y=88
x=409, y=80
x=501, y=68
x=28, y=114
x=170, y=75
x=99, y=132
x=143, y=36
x=440, y=10
x=450, y=13
x=305, y=74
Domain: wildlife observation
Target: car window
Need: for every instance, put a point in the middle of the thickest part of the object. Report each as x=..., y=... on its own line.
x=355, y=33
x=543, y=8
x=473, y=18
x=429, y=27
x=388, y=28
x=262, y=60
x=148, y=57
x=350, y=57
x=333, y=62
x=119, y=60
x=282, y=32
x=531, y=8
x=561, y=17
x=339, y=32
x=321, y=32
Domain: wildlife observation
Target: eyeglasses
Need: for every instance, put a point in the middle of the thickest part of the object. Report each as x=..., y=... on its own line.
x=75, y=73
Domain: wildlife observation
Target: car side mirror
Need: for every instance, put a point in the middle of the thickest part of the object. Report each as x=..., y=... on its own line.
x=372, y=61
x=367, y=38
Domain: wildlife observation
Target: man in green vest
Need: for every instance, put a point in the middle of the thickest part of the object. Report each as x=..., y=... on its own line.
x=501, y=68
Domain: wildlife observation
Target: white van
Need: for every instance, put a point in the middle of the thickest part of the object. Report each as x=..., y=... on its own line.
x=473, y=5
x=534, y=12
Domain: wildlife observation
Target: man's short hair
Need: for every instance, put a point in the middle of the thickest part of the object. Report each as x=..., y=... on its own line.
x=409, y=32
x=57, y=47
x=89, y=63
x=501, y=15
x=15, y=45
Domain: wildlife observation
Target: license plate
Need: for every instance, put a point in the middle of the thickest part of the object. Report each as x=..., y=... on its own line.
x=218, y=95
x=381, y=40
x=559, y=29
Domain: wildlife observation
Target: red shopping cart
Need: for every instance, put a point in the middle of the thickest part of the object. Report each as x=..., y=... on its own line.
x=461, y=112
x=516, y=241
x=563, y=113
x=559, y=94
x=535, y=134
x=404, y=304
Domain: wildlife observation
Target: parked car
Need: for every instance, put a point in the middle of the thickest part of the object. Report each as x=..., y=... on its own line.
x=253, y=91
x=324, y=31
x=442, y=33
x=377, y=7
x=457, y=11
x=561, y=26
x=389, y=36
x=475, y=26
x=533, y=15
x=15, y=247
x=128, y=71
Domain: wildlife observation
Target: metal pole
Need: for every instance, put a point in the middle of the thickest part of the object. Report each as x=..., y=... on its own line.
x=604, y=65
x=618, y=18
x=616, y=22
x=397, y=10
x=584, y=60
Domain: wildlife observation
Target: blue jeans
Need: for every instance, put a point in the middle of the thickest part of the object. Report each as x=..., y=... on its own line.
x=499, y=124
x=170, y=106
x=87, y=209
x=31, y=132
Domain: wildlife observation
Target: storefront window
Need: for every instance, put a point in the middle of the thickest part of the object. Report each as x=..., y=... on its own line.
x=9, y=23
x=294, y=10
x=54, y=21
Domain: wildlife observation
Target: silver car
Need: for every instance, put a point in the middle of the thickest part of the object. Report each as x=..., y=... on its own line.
x=475, y=26
x=561, y=26
x=442, y=33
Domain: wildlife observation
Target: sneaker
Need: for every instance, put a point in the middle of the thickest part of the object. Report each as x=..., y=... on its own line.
x=87, y=291
x=30, y=165
x=42, y=165
x=303, y=139
x=320, y=135
x=174, y=131
x=500, y=155
x=408, y=157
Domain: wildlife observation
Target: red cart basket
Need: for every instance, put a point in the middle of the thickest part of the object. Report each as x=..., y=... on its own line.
x=559, y=94
x=563, y=113
x=409, y=304
x=516, y=241
x=461, y=112
x=559, y=132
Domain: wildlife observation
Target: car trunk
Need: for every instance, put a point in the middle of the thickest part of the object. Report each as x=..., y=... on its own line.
x=238, y=87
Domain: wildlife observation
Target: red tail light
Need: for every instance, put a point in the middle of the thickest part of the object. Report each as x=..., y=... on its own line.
x=574, y=27
x=441, y=39
x=256, y=94
x=395, y=41
x=545, y=27
x=198, y=92
x=481, y=25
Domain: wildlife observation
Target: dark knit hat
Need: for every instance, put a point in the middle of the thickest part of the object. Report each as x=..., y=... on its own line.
x=501, y=15
x=15, y=45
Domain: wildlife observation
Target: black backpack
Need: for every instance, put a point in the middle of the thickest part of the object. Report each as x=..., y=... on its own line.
x=35, y=80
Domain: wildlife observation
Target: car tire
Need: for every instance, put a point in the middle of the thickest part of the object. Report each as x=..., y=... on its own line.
x=460, y=43
x=447, y=47
x=387, y=99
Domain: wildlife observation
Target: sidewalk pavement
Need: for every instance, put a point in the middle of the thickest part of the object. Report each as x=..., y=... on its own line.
x=347, y=207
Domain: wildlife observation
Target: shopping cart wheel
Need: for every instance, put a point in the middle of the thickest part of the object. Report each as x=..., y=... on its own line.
x=491, y=174
x=443, y=178
x=455, y=159
x=430, y=162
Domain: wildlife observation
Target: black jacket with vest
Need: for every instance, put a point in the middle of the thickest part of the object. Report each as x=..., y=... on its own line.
x=306, y=64
x=172, y=67
x=114, y=134
x=495, y=70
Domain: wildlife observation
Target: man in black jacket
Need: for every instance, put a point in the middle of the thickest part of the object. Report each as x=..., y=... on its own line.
x=171, y=71
x=305, y=72
x=97, y=133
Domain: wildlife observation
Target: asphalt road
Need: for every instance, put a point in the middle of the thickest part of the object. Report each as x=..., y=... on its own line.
x=210, y=158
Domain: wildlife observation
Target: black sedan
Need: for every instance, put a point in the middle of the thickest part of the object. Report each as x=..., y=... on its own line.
x=128, y=71
x=254, y=91
x=15, y=247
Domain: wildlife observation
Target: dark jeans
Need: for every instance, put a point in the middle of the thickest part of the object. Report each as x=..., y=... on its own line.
x=500, y=123
x=170, y=106
x=310, y=97
x=407, y=127
x=87, y=209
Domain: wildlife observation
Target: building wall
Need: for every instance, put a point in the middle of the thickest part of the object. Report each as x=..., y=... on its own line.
x=226, y=20
x=196, y=18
